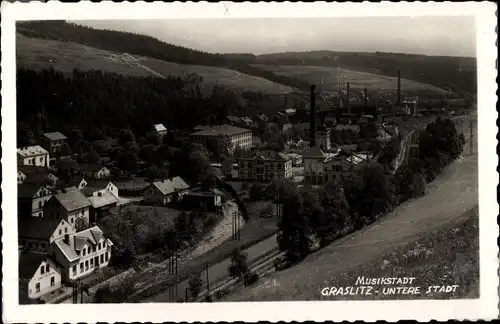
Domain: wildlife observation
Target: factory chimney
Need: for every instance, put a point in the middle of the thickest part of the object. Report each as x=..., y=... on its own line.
x=399, y=87
x=312, y=130
x=366, y=101
x=348, y=100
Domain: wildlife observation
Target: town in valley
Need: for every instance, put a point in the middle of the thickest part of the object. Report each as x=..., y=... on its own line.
x=149, y=171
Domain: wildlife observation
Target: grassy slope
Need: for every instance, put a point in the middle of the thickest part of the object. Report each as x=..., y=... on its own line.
x=451, y=73
x=446, y=205
x=36, y=53
x=327, y=79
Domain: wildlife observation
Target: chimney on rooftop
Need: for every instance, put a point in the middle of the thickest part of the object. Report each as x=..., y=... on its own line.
x=312, y=127
x=399, y=88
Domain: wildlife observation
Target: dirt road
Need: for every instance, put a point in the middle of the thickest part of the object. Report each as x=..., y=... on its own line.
x=453, y=193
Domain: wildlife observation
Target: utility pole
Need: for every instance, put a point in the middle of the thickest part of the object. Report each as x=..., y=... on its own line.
x=471, y=138
x=208, y=281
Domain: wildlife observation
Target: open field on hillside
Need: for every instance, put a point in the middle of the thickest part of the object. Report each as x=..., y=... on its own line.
x=35, y=53
x=327, y=79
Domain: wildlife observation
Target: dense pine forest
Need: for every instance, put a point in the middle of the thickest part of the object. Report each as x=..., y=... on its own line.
x=93, y=100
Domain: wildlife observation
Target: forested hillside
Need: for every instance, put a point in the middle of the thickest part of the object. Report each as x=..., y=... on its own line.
x=63, y=103
x=123, y=42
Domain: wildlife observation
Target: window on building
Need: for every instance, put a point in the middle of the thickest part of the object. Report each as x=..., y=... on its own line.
x=88, y=250
x=65, y=230
x=92, y=262
x=47, y=267
x=39, y=204
x=83, y=252
x=60, y=231
x=52, y=281
x=37, y=287
x=107, y=256
x=87, y=265
x=102, y=258
x=99, y=246
x=42, y=270
x=81, y=267
x=93, y=248
x=74, y=270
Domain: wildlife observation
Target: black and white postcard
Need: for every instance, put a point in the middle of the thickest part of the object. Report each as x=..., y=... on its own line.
x=249, y=161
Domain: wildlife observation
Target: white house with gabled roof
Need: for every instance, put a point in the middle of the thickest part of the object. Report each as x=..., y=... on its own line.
x=68, y=205
x=33, y=155
x=41, y=273
x=82, y=253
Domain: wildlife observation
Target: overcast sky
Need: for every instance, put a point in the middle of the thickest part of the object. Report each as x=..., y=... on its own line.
x=450, y=36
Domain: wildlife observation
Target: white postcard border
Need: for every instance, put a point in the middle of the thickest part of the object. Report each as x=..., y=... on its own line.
x=486, y=307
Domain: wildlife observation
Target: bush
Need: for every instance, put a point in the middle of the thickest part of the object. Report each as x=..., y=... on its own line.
x=251, y=278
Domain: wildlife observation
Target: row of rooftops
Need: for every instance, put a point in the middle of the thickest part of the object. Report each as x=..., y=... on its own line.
x=317, y=153
x=268, y=155
x=219, y=130
x=169, y=186
x=70, y=246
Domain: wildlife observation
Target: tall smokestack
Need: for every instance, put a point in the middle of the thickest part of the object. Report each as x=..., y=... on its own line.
x=399, y=87
x=366, y=101
x=312, y=125
x=348, y=99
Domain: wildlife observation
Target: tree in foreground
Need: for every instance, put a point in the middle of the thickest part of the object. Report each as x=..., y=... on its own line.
x=239, y=264
x=195, y=284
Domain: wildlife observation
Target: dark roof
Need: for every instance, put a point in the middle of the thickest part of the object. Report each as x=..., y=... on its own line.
x=91, y=167
x=55, y=136
x=221, y=130
x=29, y=263
x=37, y=228
x=34, y=174
x=72, y=199
x=314, y=152
x=28, y=190
x=266, y=155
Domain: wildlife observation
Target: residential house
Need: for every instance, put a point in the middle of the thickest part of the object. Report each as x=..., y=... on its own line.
x=321, y=167
x=159, y=130
x=330, y=121
x=33, y=155
x=36, y=174
x=264, y=165
x=43, y=275
x=100, y=205
x=365, y=119
x=343, y=165
x=209, y=200
x=165, y=191
x=314, y=165
x=241, y=137
x=81, y=253
x=233, y=120
x=247, y=121
x=296, y=159
x=79, y=182
x=69, y=205
x=53, y=142
x=95, y=171
x=345, y=123
x=31, y=198
x=97, y=188
x=36, y=234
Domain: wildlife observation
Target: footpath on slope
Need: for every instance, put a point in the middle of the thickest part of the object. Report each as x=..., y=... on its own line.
x=448, y=199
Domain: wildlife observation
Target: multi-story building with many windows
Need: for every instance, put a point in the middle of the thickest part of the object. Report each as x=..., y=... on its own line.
x=264, y=166
x=241, y=137
x=33, y=155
